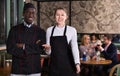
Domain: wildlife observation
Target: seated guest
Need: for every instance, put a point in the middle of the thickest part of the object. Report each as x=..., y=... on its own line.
x=108, y=51
x=95, y=40
x=86, y=47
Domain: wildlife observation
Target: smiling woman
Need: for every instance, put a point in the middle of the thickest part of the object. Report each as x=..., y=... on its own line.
x=63, y=41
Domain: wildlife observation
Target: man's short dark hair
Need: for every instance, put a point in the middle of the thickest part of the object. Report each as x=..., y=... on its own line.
x=109, y=36
x=27, y=5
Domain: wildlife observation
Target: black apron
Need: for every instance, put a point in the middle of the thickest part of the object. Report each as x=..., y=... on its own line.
x=61, y=60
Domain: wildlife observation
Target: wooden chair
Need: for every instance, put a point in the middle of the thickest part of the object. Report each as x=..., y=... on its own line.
x=115, y=70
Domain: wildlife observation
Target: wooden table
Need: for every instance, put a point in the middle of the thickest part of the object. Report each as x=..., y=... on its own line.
x=94, y=62
x=42, y=58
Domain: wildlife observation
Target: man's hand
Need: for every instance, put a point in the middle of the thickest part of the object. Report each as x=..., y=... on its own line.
x=77, y=68
x=20, y=45
x=38, y=41
x=100, y=48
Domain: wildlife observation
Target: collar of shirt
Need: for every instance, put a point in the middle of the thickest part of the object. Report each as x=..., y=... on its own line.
x=25, y=24
x=60, y=28
x=107, y=46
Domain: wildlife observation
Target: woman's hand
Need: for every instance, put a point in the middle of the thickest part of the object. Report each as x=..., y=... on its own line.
x=90, y=50
x=78, y=68
x=46, y=47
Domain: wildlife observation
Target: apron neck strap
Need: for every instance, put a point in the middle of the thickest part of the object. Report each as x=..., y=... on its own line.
x=54, y=28
x=65, y=30
x=52, y=31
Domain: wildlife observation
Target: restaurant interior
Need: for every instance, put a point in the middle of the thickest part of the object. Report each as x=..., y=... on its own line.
x=89, y=17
